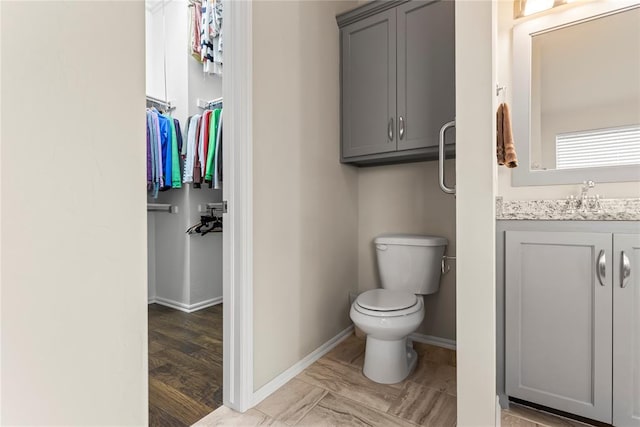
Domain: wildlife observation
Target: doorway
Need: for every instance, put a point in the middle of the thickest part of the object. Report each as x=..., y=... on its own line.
x=185, y=222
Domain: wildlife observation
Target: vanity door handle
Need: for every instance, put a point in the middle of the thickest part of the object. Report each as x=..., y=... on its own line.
x=390, y=129
x=401, y=127
x=625, y=270
x=601, y=268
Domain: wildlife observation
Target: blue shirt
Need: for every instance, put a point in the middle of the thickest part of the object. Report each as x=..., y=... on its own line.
x=165, y=144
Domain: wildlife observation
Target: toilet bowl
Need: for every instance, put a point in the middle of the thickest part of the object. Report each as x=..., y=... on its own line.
x=388, y=357
x=409, y=267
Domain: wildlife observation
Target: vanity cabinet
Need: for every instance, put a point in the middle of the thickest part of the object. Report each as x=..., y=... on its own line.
x=559, y=321
x=397, y=80
x=572, y=318
x=626, y=329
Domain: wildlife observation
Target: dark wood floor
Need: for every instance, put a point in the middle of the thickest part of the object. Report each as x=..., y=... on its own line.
x=185, y=364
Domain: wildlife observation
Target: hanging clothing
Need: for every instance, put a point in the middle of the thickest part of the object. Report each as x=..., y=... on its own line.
x=206, y=144
x=197, y=171
x=190, y=149
x=195, y=24
x=153, y=152
x=176, y=182
x=217, y=161
x=216, y=36
x=183, y=151
x=211, y=36
x=199, y=167
x=149, y=166
x=209, y=170
x=176, y=122
x=163, y=143
x=166, y=146
x=206, y=44
x=159, y=179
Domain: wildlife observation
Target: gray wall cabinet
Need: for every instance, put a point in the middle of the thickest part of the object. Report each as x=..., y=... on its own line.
x=571, y=320
x=368, y=100
x=397, y=80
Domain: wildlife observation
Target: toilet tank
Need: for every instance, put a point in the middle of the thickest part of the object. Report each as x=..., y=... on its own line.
x=409, y=262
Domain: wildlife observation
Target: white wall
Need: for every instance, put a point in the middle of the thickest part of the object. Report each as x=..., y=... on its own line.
x=305, y=201
x=205, y=251
x=74, y=337
x=505, y=189
x=476, y=23
x=406, y=198
x=151, y=256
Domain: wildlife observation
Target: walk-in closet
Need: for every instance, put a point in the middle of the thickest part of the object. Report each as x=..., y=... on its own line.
x=184, y=180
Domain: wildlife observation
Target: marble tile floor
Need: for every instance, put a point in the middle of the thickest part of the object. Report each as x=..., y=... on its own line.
x=334, y=392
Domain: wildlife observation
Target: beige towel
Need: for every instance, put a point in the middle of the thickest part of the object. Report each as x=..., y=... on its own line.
x=506, y=149
x=500, y=135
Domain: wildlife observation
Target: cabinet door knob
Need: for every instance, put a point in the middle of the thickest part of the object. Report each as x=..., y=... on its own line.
x=401, y=127
x=601, y=268
x=390, y=129
x=625, y=270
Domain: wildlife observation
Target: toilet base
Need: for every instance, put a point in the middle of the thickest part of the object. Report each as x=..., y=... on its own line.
x=389, y=362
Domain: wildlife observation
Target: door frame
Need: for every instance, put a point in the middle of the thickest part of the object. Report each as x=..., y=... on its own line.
x=237, y=240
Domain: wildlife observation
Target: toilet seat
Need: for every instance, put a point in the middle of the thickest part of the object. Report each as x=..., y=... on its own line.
x=387, y=303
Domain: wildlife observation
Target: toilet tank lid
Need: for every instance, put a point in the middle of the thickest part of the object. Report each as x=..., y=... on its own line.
x=410, y=240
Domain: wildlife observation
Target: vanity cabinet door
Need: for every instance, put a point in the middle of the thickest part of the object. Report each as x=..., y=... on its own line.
x=426, y=72
x=369, y=86
x=626, y=330
x=559, y=320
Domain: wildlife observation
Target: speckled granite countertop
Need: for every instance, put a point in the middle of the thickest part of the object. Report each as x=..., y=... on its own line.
x=609, y=210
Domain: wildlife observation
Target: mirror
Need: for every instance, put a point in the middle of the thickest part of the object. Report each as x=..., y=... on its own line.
x=577, y=102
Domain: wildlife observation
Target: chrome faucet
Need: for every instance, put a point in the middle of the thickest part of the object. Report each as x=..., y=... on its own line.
x=586, y=186
x=584, y=203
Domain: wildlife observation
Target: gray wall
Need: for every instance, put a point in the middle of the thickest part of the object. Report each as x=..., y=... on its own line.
x=305, y=201
x=406, y=198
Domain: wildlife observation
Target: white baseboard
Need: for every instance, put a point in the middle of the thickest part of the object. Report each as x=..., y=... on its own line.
x=273, y=385
x=187, y=308
x=430, y=339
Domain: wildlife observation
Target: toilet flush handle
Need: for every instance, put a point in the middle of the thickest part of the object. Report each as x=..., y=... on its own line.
x=444, y=266
x=381, y=247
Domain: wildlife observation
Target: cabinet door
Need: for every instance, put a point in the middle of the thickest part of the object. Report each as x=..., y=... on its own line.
x=426, y=72
x=369, y=85
x=626, y=330
x=559, y=321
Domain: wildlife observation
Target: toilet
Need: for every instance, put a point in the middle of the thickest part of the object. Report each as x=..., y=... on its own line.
x=409, y=267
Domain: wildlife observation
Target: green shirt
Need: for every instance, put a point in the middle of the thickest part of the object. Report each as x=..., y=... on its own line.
x=176, y=181
x=213, y=135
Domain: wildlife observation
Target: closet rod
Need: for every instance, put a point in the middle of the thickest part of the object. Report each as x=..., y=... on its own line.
x=161, y=207
x=166, y=105
x=208, y=104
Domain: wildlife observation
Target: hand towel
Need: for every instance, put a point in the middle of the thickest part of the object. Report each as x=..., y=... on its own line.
x=506, y=149
x=500, y=135
x=510, y=157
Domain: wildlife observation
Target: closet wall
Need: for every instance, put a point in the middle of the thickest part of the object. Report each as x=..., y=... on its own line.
x=184, y=271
